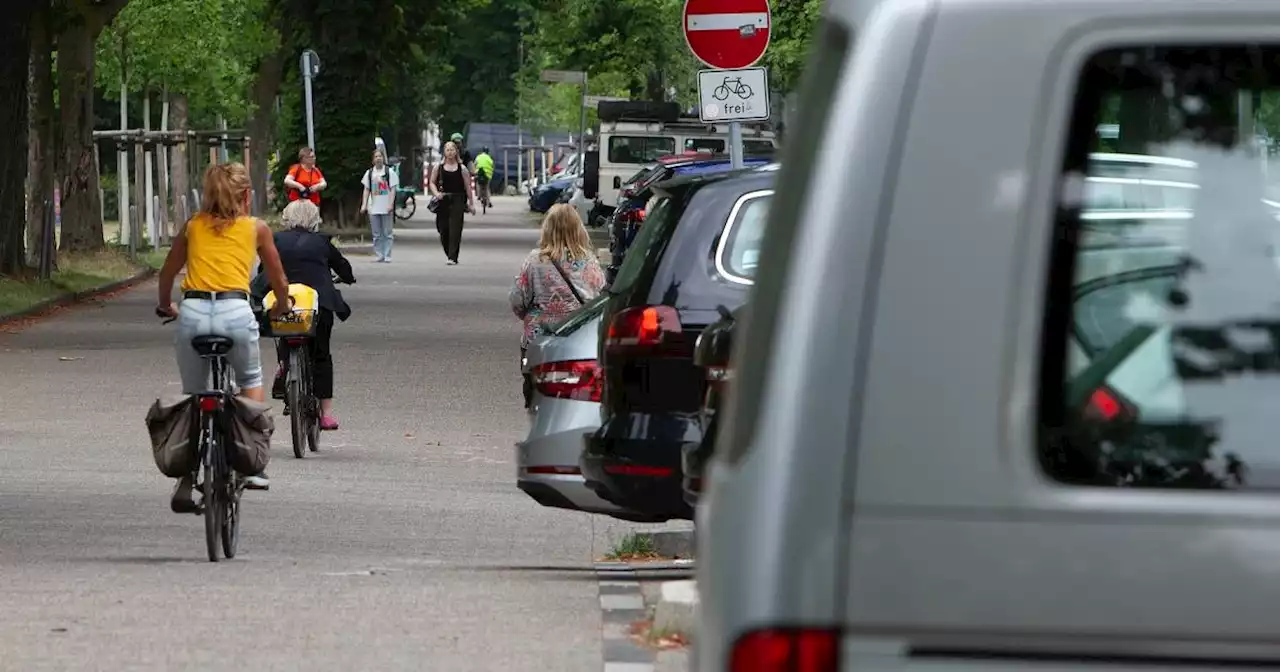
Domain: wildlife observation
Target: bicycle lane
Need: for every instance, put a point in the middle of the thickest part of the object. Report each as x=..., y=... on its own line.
x=403, y=544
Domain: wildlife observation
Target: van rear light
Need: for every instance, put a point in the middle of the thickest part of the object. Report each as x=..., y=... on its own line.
x=1107, y=405
x=643, y=326
x=579, y=380
x=787, y=650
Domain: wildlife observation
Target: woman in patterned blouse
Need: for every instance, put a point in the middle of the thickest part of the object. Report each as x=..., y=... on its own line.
x=557, y=277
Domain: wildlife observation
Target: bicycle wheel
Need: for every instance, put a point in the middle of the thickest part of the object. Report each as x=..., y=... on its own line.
x=720, y=92
x=297, y=410
x=212, y=488
x=406, y=209
x=313, y=410
x=231, y=521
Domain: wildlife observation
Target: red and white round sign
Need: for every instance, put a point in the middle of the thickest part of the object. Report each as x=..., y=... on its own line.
x=727, y=34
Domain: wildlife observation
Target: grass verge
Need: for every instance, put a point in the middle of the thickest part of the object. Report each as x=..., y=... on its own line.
x=76, y=273
x=635, y=546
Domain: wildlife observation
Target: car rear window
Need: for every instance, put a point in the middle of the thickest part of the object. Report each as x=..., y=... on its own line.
x=738, y=253
x=1162, y=328
x=639, y=149
x=646, y=249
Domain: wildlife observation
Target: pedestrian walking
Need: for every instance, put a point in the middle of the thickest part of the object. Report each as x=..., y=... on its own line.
x=557, y=278
x=380, y=183
x=304, y=179
x=450, y=184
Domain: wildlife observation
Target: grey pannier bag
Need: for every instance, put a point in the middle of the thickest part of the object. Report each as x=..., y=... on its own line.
x=171, y=422
x=251, y=430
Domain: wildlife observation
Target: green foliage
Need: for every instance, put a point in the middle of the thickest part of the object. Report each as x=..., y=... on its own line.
x=794, y=22
x=205, y=49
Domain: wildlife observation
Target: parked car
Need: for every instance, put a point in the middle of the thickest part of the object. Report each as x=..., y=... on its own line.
x=977, y=422
x=628, y=217
x=546, y=195
x=566, y=403
x=697, y=251
x=711, y=354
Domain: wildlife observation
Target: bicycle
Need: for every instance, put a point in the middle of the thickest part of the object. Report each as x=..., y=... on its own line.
x=301, y=404
x=405, y=202
x=739, y=89
x=482, y=189
x=219, y=485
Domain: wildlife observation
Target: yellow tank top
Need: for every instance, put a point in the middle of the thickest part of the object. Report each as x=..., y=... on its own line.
x=220, y=261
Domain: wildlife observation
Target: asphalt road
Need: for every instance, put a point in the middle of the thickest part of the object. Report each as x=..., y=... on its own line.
x=402, y=545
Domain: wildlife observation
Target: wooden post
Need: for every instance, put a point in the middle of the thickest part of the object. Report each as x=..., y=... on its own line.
x=162, y=178
x=139, y=194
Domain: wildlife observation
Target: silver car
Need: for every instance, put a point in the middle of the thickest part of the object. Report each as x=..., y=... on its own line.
x=565, y=405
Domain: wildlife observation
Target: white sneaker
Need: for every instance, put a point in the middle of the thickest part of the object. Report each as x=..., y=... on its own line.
x=257, y=482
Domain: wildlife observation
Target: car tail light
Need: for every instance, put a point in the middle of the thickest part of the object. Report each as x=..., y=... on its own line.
x=1107, y=405
x=579, y=380
x=555, y=471
x=791, y=650
x=210, y=404
x=638, y=470
x=643, y=326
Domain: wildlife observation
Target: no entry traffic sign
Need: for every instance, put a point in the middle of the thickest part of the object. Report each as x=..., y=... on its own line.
x=727, y=34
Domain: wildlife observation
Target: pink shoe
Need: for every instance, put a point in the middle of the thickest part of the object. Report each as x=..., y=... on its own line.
x=328, y=423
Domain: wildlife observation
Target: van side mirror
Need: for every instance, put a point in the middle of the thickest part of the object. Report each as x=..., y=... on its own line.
x=617, y=182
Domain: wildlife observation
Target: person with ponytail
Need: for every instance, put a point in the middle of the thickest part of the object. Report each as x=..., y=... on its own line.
x=218, y=246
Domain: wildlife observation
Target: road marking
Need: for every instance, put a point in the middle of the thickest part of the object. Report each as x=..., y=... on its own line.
x=699, y=22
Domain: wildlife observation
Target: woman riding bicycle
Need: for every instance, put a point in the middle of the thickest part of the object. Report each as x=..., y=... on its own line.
x=218, y=246
x=308, y=258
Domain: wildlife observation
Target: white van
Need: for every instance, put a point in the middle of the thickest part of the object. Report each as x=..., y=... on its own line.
x=958, y=439
x=627, y=145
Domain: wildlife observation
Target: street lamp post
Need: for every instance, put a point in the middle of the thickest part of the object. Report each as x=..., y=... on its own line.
x=310, y=68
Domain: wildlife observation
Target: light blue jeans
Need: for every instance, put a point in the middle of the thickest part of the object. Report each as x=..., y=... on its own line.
x=383, y=235
x=232, y=318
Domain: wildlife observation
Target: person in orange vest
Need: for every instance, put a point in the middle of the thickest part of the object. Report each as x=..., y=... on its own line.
x=304, y=179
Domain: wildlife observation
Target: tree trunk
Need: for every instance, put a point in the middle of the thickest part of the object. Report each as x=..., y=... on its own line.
x=15, y=46
x=81, y=205
x=266, y=86
x=179, y=163
x=40, y=149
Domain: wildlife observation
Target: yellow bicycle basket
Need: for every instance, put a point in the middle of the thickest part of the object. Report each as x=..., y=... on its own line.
x=301, y=321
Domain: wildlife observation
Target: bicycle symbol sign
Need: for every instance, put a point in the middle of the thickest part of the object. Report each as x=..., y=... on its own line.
x=734, y=95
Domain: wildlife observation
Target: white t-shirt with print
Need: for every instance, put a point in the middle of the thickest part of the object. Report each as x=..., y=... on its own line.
x=381, y=183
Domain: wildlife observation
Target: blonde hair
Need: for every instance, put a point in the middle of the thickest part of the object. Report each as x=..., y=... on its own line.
x=305, y=152
x=225, y=188
x=563, y=235
x=301, y=214
x=457, y=156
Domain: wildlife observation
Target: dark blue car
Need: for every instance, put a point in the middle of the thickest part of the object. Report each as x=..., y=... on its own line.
x=545, y=195
x=628, y=217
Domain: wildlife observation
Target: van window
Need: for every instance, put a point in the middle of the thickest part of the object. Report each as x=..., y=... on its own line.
x=639, y=149
x=1162, y=332
x=764, y=147
x=738, y=253
x=820, y=81
x=705, y=145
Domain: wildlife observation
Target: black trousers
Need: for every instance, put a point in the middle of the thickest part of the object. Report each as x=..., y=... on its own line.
x=449, y=223
x=527, y=387
x=321, y=357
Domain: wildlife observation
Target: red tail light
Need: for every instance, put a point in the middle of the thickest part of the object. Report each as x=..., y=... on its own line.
x=644, y=326
x=1107, y=405
x=638, y=470
x=800, y=650
x=555, y=471
x=295, y=342
x=210, y=404
x=579, y=380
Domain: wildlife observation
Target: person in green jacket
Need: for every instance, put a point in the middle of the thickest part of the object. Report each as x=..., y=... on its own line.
x=484, y=173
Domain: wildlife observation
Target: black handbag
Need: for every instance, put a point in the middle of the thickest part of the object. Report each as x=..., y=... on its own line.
x=433, y=204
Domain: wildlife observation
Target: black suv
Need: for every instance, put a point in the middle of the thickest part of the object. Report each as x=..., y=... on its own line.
x=694, y=257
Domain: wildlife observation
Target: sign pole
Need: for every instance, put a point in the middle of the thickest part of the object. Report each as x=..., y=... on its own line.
x=308, y=70
x=735, y=145
x=582, y=126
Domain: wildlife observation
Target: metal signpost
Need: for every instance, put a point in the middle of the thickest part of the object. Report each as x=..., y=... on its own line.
x=310, y=68
x=730, y=36
x=572, y=77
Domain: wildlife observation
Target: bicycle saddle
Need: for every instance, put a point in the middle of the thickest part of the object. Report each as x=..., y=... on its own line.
x=209, y=346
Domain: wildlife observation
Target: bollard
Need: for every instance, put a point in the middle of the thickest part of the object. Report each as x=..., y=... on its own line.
x=133, y=231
